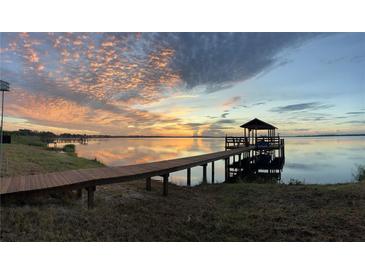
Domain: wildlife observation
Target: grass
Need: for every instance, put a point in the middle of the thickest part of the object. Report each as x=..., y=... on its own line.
x=220, y=212
x=224, y=212
x=22, y=159
x=28, y=140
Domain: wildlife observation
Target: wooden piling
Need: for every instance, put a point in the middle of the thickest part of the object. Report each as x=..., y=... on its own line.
x=90, y=196
x=226, y=163
x=79, y=193
x=205, y=174
x=165, y=184
x=212, y=172
x=188, y=177
x=148, y=184
x=240, y=164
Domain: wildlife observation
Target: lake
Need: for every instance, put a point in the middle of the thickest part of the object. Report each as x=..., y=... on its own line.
x=309, y=159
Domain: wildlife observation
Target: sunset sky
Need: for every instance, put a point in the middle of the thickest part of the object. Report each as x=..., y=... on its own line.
x=184, y=83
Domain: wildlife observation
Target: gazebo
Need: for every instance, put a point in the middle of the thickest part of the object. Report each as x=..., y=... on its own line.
x=251, y=128
x=264, y=153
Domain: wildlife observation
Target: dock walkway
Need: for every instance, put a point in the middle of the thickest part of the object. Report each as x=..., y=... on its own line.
x=90, y=178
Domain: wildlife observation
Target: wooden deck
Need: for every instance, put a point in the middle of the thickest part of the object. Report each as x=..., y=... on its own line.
x=90, y=178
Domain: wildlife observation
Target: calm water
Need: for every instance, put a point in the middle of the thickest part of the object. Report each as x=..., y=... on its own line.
x=313, y=160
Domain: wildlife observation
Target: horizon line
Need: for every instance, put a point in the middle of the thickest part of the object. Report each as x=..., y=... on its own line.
x=183, y=136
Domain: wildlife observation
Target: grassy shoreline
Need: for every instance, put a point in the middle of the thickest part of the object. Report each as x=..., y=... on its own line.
x=23, y=159
x=221, y=212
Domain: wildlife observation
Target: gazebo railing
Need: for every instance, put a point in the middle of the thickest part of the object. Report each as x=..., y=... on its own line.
x=236, y=142
x=260, y=142
x=273, y=140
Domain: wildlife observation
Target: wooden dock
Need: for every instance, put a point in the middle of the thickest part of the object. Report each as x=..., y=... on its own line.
x=81, y=140
x=90, y=178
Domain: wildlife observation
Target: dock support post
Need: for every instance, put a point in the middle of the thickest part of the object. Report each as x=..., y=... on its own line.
x=165, y=184
x=226, y=169
x=79, y=193
x=148, y=184
x=212, y=172
x=205, y=174
x=90, y=196
x=188, y=176
x=240, y=165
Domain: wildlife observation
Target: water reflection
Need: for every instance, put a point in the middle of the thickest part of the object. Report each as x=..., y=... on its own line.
x=323, y=159
x=313, y=160
x=125, y=151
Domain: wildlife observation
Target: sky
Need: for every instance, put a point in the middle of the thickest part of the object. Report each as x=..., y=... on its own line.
x=184, y=83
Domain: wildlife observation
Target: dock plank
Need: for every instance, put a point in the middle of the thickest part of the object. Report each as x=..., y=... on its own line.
x=4, y=184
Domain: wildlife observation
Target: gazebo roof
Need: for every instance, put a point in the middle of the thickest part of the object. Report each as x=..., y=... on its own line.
x=257, y=124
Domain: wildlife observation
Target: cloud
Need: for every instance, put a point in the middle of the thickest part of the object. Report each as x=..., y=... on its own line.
x=194, y=125
x=233, y=101
x=62, y=113
x=259, y=104
x=226, y=121
x=301, y=107
x=218, y=128
x=352, y=59
x=110, y=74
x=218, y=60
x=224, y=115
x=211, y=117
x=103, y=64
x=356, y=112
x=301, y=129
x=210, y=88
x=100, y=67
x=361, y=122
x=127, y=95
x=89, y=74
x=223, y=124
x=240, y=106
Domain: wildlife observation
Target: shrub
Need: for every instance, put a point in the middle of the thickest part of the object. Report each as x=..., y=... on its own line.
x=359, y=176
x=97, y=161
x=295, y=182
x=69, y=148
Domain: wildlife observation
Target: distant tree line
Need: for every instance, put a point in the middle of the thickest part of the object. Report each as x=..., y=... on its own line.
x=48, y=135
